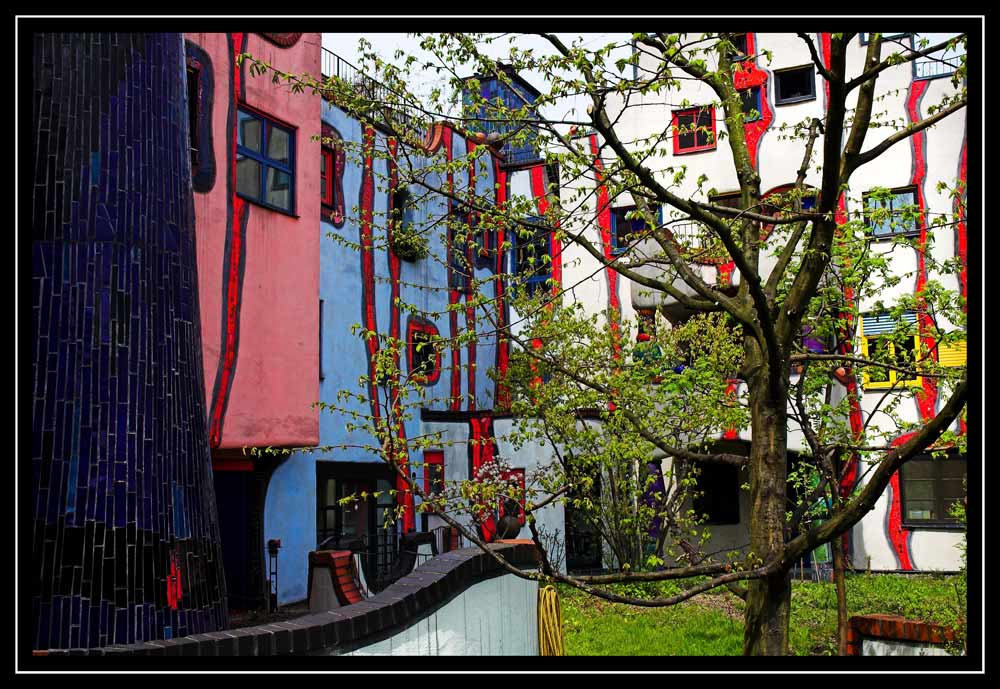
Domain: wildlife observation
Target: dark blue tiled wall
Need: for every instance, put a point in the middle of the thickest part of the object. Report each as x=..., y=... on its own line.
x=122, y=482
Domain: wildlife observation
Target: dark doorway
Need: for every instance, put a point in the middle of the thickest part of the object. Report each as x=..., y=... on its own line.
x=239, y=498
x=361, y=524
x=583, y=541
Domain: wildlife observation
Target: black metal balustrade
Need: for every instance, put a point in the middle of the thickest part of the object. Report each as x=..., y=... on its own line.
x=386, y=101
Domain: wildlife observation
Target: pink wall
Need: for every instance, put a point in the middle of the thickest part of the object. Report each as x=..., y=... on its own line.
x=264, y=346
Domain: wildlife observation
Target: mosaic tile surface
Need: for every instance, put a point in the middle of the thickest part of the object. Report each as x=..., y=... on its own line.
x=125, y=535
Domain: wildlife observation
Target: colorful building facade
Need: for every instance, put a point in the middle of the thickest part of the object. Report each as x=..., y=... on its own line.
x=904, y=532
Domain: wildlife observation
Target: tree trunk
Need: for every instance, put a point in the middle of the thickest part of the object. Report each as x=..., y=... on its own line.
x=769, y=599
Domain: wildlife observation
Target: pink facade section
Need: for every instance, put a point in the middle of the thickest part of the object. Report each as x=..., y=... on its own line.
x=274, y=366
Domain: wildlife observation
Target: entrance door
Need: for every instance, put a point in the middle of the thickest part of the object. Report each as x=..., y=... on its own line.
x=363, y=518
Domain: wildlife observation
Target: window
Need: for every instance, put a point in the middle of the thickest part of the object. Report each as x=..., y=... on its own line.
x=321, y=376
x=193, y=74
x=265, y=172
x=718, y=494
x=794, y=85
x=895, y=214
x=694, y=129
x=515, y=476
x=326, y=176
x=423, y=356
x=433, y=472
x=751, y=104
x=533, y=257
x=878, y=344
x=739, y=51
x=866, y=37
x=460, y=259
x=928, y=489
x=625, y=231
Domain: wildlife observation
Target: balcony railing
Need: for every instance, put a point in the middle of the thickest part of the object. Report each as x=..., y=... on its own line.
x=690, y=235
x=932, y=68
x=386, y=101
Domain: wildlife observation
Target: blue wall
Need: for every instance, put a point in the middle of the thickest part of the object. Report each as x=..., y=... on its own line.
x=290, y=511
x=121, y=476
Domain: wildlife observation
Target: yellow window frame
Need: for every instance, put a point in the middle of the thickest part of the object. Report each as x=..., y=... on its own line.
x=893, y=374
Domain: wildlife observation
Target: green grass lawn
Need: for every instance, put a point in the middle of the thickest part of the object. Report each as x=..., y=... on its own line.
x=712, y=624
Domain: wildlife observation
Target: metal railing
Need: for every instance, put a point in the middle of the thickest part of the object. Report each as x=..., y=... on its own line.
x=932, y=67
x=690, y=235
x=385, y=100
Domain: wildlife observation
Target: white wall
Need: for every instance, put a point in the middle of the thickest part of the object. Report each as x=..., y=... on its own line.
x=496, y=617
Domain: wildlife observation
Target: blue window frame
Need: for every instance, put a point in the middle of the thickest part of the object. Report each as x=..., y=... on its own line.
x=265, y=161
x=895, y=224
x=865, y=37
x=528, y=257
x=625, y=230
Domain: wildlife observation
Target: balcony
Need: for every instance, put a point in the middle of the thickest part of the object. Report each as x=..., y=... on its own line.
x=389, y=111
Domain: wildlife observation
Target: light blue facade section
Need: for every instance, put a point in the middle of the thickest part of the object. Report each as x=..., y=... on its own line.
x=290, y=507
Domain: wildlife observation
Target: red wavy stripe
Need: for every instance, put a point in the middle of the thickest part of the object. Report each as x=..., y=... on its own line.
x=456, y=352
x=470, y=315
x=503, y=346
x=604, y=224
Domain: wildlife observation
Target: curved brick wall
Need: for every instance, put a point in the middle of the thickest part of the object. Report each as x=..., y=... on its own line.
x=125, y=529
x=414, y=597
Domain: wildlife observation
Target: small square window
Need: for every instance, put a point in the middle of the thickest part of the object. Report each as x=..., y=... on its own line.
x=794, y=85
x=694, y=129
x=929, y=487
x=264, y=162
x=751, y=104
x=901, y=218
x=624, y=230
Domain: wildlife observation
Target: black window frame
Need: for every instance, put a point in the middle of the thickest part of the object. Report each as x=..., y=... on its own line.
x=942, y=502
x=779, y=73
x=266, y=162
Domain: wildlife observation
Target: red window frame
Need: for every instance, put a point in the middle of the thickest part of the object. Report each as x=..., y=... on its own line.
x=519, y=475
x=414, y=325
x=433, y=458
x=695, y=111
x=326, y=181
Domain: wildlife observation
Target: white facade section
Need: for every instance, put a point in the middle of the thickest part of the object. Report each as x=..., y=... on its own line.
x=929, y=159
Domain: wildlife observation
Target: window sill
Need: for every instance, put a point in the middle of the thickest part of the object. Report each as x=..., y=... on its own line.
x=261, y=204
x=932, y=526
x=688, y=151
x=913, y=234
x=794, y=101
